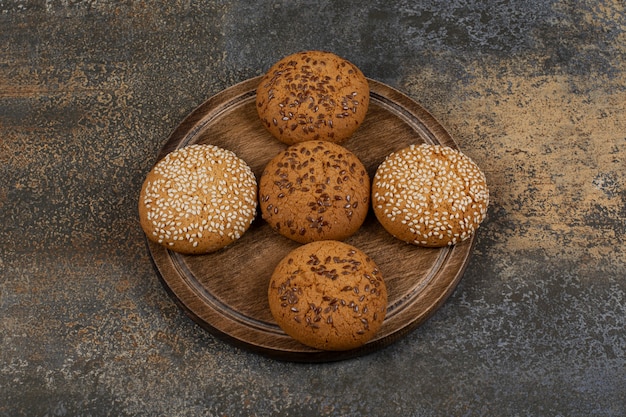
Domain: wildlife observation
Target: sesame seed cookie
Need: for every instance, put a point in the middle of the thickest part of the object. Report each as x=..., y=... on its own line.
x=328, y=295
x=314, y=190
x=430, y=195
x=312, y=95
x=198, y=199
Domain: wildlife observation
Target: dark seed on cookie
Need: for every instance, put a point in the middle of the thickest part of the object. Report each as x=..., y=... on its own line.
x=327, y=97
x=304, y=202
x=320, y=318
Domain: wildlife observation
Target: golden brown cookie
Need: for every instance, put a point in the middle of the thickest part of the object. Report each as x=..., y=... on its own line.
x=430, y=195
x=198, y=199
x=315, y=190
x=312, y=95
x=328, y=295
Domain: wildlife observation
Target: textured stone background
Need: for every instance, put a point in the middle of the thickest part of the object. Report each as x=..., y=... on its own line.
x=533, y=90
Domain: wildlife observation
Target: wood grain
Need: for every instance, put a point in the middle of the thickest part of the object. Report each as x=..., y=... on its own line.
x=226, y=292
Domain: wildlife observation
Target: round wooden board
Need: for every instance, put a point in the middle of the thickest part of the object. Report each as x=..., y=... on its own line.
x=225, y=292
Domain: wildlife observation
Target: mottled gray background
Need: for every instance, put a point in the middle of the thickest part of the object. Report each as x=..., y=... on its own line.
x=534, y=91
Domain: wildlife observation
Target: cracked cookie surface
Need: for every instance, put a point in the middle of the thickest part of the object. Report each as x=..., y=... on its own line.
x=312, y=95
x=198, y=199
x=315, y=190
x=430, y=195
x=328, y=295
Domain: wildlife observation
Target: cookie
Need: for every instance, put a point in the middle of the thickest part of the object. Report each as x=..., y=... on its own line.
x=314, y=190
x=328, y=295
x=312, y=95
x=430, y=195
x=198, y=199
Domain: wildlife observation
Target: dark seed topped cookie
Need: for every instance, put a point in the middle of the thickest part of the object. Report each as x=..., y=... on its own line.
x=430, y=195
x=198, y=199
x=328, y=295
x=312, y=95
x=315, y=191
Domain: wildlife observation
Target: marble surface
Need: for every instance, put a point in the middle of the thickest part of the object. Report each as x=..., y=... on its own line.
x=534, y=91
